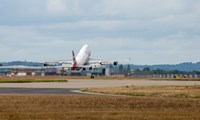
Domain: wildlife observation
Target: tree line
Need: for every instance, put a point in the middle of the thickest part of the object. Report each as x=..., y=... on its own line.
x=148, y=71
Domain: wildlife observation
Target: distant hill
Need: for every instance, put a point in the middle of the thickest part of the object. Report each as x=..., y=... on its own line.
x=187, y=66
x=25, y=63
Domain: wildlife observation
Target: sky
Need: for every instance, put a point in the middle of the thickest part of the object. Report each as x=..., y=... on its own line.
x=147, y=31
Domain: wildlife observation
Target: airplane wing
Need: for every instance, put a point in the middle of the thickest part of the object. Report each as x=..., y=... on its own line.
x=101, y=62
x=92, y=63
x=58, y=63
x=21, y=67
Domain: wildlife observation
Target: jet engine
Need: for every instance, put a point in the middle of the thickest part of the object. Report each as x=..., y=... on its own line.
x=90, y=68
x=101, y=63
x=52, y=64
x=115, y=63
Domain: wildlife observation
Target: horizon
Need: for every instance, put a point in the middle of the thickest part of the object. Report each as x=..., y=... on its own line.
x=119, y=63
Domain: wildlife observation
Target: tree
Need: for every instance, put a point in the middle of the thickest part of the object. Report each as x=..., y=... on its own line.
x=121, y=68
x=158, y=71
x=1, y=64
x=195, y=72
x=137, y=71
x=128, y=68
x=146, y=69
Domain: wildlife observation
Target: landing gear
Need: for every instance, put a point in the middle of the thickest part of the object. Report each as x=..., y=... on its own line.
x=92, y=76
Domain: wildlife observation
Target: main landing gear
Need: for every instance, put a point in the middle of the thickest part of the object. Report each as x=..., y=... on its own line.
x=92, y=76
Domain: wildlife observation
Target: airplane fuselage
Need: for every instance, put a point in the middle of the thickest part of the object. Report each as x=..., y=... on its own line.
x=83, y=56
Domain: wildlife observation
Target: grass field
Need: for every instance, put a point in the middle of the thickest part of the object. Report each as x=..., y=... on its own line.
x=151, y=91
x=97, y=108
x=146, y=103
x=32, y=79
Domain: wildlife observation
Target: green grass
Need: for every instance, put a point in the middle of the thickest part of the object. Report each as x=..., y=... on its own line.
x=29, y=79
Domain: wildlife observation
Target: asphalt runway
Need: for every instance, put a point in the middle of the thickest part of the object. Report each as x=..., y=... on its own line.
x=41, y=91
x=72, y=87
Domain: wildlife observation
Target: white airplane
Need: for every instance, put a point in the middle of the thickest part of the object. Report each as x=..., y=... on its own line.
x=81, y=61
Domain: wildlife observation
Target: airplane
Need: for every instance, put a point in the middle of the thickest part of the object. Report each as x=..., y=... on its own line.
x=81, y=61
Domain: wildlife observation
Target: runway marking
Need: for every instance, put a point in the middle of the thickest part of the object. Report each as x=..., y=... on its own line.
x=99, y=94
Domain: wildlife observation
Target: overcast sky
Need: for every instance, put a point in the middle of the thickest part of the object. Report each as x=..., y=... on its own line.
x=147, y=31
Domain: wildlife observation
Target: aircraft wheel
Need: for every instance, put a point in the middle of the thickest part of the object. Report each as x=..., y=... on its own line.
x=92, y=77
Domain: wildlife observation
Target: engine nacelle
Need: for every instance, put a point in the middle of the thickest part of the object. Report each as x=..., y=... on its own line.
x=84, y=69
x=115, y=63
x=45, y=64
x=90, y=68
x=101, y=63
x=52, y=64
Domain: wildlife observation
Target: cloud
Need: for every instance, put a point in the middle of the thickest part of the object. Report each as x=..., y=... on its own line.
x=143, y=8
x=56, y=6
x=150, y=32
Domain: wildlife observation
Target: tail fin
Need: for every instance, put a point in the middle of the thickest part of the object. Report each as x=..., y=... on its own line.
x=74, y=57
x=74, y=61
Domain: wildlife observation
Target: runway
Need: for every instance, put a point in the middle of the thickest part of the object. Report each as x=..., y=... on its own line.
x=72, y=87
x=41, y=91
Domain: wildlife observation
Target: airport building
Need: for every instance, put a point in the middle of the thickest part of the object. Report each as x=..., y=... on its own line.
x=24, y=71
x=51, y=71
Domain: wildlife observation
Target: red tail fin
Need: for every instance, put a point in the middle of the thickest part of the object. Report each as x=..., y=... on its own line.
x=74, y=57
x=74, y=61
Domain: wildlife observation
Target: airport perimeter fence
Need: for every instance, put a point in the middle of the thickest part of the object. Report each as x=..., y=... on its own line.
x=165, y=75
